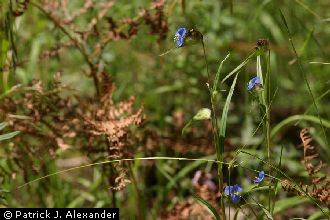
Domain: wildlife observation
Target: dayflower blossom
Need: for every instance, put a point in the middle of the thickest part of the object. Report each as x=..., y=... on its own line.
x=260, y=177
x=180, y=36
x=255, y=82
x=233, y=191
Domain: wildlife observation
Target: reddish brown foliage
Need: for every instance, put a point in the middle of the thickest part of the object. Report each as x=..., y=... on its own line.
x=50, y=122
x=319, y=185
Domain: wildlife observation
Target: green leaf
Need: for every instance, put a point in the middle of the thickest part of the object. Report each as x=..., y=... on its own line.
x=308, y=9
x=303, y=48
x=77, y=202
x=317, y=215
x=8, y=136
x=292, y=119
x=289, y=203
x=208, y=206
x=239, y=66
x=3, y=125
x=223, y=121
x=217, y=76
x=266, y=212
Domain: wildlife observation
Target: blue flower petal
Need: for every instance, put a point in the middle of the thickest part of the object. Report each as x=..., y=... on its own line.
x=180, y=36
x=254, y=82
x=228, y=190
x=237, y=188
x=181, y=32
x=233, y=191
x=249, y=86
x=235, y=198
x=260, y=177
x=179, y=42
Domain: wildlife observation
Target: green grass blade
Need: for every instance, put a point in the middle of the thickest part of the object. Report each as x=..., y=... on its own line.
x=308, y=9
x=208, y=206
x=284, y=204
x=117, y=161
x=217, y=76
x=303, y=48
x=276, y=181
x=265, y=211
x=259, y=74
x=322, y=63
x=184, y=129
x=290, y=120
x=311, y=105
x=9, y=135
x=223, y=121
x=316, y=215
x=239, y=67
x=3, y=125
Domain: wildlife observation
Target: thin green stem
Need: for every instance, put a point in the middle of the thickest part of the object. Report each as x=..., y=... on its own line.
x=215, y=134
x=267, y=99
x=116, y=161
x=276, y=181
x=137, y=191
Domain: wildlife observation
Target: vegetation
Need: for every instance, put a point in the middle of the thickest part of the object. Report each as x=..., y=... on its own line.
x=166, y=109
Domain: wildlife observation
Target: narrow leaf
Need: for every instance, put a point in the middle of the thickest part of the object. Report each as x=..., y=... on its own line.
x=289, y=203
x=239, y=67
x=8, y=136
x=303, y=48
x=293, y=118
x=184, y=129
x=224, y=116
x=208, y=206
x=216, y=80
x=3, y=125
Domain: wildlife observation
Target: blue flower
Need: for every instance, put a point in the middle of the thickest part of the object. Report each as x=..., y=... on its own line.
x=260, y=177
x=233, y=191
x=180, y=36
x=254, y=82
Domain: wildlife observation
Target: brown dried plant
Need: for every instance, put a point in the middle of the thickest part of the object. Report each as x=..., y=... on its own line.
x=47, y=122
x=51, y=122
x=57, y=119
x=310, y=153
x=319, y=184
x=113, y=121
